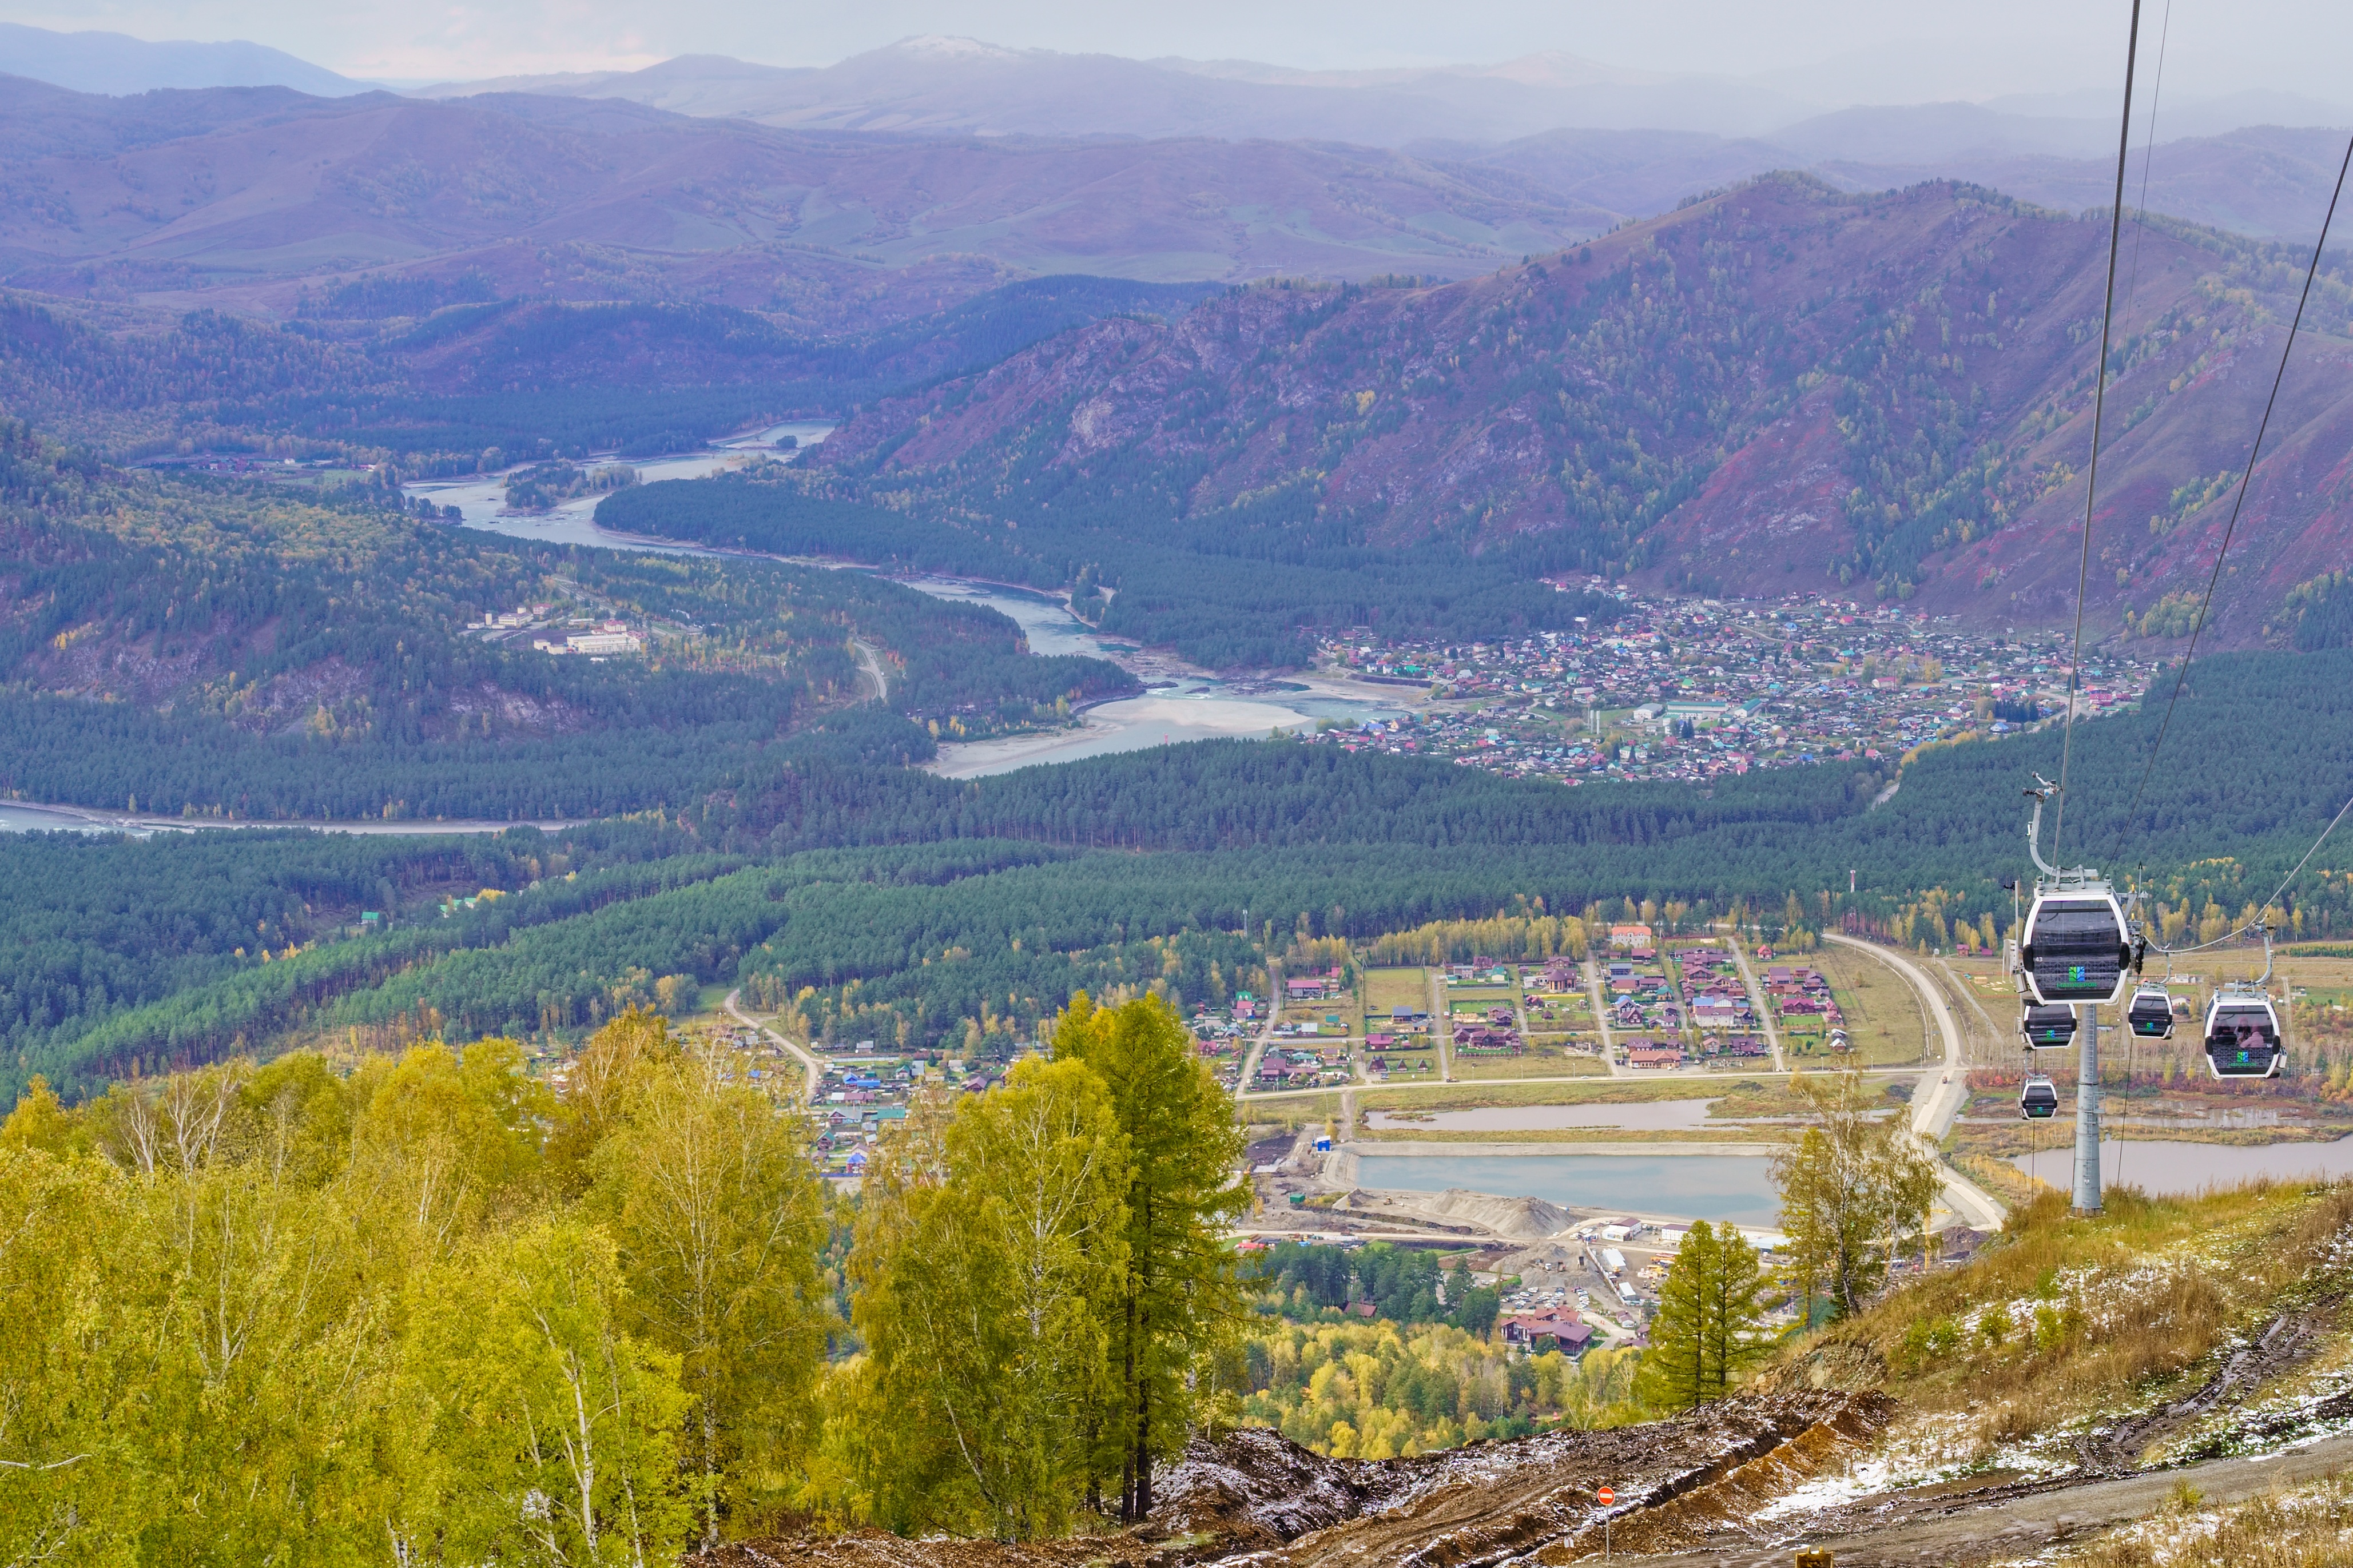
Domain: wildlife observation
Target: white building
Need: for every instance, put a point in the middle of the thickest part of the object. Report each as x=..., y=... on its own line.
x=604, y=642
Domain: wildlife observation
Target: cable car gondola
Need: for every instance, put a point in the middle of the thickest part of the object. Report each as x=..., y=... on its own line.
x=2039, y=1100
x=2077, y=947
x=2243, y=1036
x=2048, y=1028
x=2151, y=1013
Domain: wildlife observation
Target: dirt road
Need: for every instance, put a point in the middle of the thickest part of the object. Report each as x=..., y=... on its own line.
x=2000, y=1521
x=810, y=1064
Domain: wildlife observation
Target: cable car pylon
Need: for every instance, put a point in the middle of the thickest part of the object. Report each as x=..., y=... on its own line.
x=2076, y=949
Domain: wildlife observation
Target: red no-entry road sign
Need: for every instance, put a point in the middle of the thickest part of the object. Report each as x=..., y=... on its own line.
x=1605, y=1497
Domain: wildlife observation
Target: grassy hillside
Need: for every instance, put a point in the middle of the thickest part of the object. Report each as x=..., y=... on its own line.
x=2116, y=1342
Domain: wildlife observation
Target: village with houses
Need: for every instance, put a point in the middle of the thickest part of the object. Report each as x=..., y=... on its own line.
x=1639, y=1006
x=1692, y=690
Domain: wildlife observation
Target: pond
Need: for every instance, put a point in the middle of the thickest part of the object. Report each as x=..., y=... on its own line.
x=48, y=819
x=2171, y=1168
x=1682, y=1186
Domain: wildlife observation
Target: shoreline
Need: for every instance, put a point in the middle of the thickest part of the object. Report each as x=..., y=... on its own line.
x=1757, y=1150
x=90, y=819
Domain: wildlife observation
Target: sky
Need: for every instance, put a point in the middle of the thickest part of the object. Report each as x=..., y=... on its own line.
x=1834, y=51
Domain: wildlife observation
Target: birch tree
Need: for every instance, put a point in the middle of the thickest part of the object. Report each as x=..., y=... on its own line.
x=1855, y=1189
x=989, y=1257
x=706, y=1186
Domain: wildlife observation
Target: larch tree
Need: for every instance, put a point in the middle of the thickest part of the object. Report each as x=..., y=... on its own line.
x=1674, y=1372
x=1710, y=1326
x=1180, y=1293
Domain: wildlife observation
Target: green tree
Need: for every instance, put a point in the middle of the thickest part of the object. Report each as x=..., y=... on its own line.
x=536, y=1430
x=1709, y=1324
x=989, y=1255
x=719, y=1217
x=1181, y=1293
x=1855, y=1189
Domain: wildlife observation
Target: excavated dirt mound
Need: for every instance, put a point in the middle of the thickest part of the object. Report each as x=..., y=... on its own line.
x=1253, y=1499
x=1524, y=1219
x=1254, y=1488
x=1490, y=1501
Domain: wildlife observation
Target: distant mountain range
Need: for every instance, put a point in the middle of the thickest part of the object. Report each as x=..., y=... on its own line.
x=244, y=197
x=943, y=86
x=115, y=63
x=257, y=198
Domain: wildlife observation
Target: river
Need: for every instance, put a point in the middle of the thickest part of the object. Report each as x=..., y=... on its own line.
x=481, y=499
x=1680, y=1187
x=15, y=816
x=1179, y=704
x=2176, y=1169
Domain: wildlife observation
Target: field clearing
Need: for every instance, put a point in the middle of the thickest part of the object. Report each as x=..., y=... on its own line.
x=1885, y=1021
x=1567, y=1012
x=1539, y=1063
x=1342, y=1008
x=1420, y=1067
x=1388, y=988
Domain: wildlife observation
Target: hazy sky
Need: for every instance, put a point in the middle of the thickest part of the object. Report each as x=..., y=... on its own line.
x=1835, y=50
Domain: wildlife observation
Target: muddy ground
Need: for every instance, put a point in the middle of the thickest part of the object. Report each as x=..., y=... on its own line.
x=1252, y=1500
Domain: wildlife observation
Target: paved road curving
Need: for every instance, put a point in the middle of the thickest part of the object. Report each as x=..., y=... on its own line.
x=1933, y=1113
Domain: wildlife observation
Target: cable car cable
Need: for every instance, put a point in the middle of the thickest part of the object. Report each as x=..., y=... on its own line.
x=2147, y=157
x=2198, y=627
x=2099, y=412
x=2284, y=882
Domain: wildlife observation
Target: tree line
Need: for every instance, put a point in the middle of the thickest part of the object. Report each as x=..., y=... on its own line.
x=431, y=1308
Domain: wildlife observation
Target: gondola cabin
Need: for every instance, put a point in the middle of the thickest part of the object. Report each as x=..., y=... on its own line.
x=2039, y=1100
x=2048, y=1028
x=2242, y=1037
x=2151, y=1013
x=2076, y=948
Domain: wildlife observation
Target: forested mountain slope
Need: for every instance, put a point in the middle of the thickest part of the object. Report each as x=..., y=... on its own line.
x=437, y=372
x=1768, y=388
x=242, y=648
x=609, y=200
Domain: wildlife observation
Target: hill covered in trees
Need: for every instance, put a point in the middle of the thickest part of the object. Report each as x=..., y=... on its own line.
x=438, y=373
x=197, y=646
x=1769, y=386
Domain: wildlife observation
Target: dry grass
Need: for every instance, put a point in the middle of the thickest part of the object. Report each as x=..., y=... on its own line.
x=2303, y=1527
x=1600, y=1091
x=2063, y=1318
